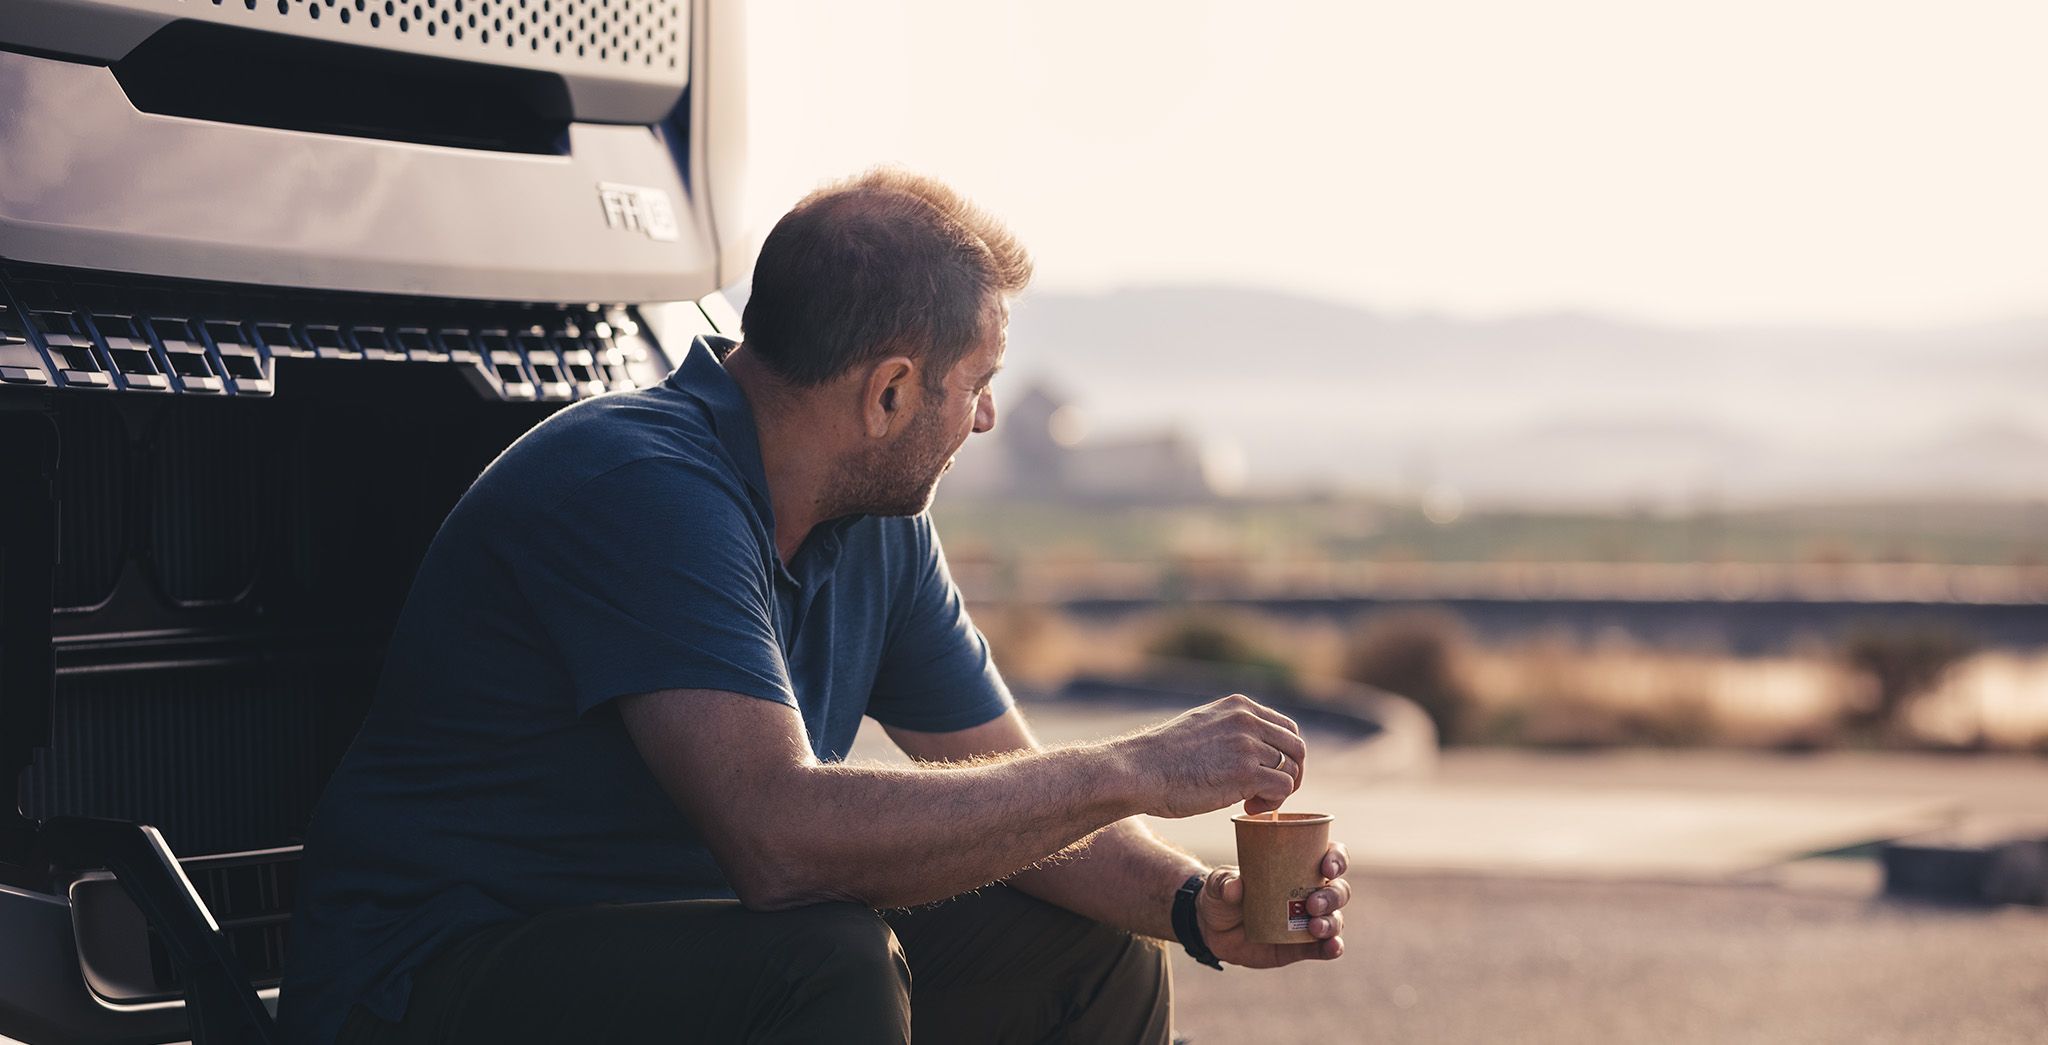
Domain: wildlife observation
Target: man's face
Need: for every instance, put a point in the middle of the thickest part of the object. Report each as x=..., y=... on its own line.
x=900, y=478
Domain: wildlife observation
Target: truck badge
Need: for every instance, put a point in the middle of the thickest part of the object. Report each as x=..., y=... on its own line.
x=633, y=208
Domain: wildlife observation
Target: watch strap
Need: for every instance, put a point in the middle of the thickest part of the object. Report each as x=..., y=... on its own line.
x=1188, y=928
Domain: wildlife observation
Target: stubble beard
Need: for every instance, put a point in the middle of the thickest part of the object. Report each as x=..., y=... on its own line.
x=900, y=478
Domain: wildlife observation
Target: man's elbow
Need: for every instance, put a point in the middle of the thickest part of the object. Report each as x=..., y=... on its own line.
x=776, y=875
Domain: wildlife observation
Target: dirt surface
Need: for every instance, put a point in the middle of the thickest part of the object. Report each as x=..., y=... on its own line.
x=1436, y=959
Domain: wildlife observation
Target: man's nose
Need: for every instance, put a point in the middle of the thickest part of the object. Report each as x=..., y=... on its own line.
x=985, y=412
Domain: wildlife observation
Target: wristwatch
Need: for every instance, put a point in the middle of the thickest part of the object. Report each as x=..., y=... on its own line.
x=1187, y=927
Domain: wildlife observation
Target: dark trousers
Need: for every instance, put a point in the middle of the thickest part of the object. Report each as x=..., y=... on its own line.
x=991, y=966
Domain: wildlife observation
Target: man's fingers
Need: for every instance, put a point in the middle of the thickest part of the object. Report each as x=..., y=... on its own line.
x=1218, y=879
x=1329, y=898
x=1265, y=712
x=1273, y=787
x=1327, y=926
x=1275, y=758
x=1227, y=889
x=1276, y=718
x=1288, y=744
x=1336, y=861
x=1313, y=951
x=1225, y=884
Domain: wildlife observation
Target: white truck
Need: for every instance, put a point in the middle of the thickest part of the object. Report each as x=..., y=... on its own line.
x=277, y=279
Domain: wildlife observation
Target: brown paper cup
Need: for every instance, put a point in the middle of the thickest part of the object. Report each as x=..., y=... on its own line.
x=1281, y=860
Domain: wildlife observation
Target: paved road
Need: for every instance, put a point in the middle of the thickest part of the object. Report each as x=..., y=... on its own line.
x=1486, y=959
x=2011, y=787
x=1635, y=897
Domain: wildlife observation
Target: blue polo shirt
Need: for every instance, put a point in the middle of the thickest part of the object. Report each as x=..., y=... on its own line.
x=622, y=546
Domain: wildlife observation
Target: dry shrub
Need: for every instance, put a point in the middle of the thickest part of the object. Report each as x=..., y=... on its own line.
x=1791, y=702
x=1042, y=647
x=1023, y=640
x=1417, y=654
x=1904, y=661
x=1555, y=690
x=1996, y=699
x=1212, y=638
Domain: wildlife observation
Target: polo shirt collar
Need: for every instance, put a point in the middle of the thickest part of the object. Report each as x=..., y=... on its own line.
x=702, y=376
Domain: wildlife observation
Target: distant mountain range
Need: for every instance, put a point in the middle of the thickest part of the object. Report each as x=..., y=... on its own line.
x=1542, y=409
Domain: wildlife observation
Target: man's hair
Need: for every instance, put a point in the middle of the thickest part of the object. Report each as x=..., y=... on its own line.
x=884, y=263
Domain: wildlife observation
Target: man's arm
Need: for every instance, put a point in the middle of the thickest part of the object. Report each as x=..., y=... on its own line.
x=1124, y=876
x=788, y=830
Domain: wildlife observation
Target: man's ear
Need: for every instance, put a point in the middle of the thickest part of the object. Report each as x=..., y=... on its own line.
x=887, y=395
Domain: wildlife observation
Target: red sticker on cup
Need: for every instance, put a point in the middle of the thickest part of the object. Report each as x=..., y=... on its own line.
x=1297, y=916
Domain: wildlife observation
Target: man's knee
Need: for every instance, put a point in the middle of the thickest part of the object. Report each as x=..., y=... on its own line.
x=1140, y=968
x=1001, y=964
x=843, y=960
x=845, y=936
x=1130, y=996
x=1148, y=957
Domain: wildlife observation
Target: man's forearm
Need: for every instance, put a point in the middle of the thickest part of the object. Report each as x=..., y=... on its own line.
x=787, y=830
x=1124, y=876
x=891, y=837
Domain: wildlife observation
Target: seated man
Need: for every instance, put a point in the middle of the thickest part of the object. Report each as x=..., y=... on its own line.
x=600, y=797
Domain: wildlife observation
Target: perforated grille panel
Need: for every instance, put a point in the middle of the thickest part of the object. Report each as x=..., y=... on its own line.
x=623, y=61
x=645, y=33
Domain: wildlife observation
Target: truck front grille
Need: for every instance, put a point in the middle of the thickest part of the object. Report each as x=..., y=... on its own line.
x=219, y=758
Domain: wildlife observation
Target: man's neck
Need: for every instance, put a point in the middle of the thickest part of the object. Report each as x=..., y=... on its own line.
x=796, y=455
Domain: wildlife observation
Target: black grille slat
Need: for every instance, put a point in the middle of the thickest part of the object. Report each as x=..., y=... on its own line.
x=207, y=499
x=229, y=565
x=219, y=759
x=93, y=503
x=79, y=332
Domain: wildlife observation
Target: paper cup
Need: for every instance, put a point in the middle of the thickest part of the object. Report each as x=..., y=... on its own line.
x=1281, y=858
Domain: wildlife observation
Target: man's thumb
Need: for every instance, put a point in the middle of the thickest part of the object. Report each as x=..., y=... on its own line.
x=1225, y=885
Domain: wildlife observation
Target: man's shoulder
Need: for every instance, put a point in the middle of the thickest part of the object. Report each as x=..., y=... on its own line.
x=645, y=431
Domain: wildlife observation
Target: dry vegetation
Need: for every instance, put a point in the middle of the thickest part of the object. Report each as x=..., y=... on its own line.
x=1904, y=688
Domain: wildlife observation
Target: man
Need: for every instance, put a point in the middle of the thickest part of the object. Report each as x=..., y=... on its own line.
x=599, y=796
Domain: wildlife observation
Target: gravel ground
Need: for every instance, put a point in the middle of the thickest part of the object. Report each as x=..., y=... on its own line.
x=1440, y=959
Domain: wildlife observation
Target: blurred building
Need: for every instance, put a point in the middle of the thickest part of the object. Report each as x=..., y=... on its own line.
x=1041, y=449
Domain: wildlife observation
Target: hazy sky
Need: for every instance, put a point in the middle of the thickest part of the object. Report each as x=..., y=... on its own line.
x=1739, y=161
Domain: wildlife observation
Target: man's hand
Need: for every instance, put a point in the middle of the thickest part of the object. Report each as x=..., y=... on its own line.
x=1220, y=911
x=1223, y=752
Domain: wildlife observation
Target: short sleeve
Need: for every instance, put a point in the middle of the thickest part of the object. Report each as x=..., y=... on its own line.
x=650, y=577
x=936, y=675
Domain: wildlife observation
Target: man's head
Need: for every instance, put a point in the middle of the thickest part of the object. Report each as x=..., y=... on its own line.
x=889, y=292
